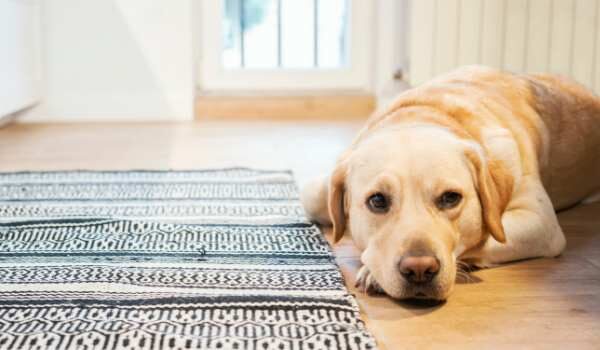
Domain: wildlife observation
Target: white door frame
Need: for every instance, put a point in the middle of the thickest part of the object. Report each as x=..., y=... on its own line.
x=213, y=77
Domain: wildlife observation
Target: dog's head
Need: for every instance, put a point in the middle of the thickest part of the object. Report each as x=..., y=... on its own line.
x=414, y=198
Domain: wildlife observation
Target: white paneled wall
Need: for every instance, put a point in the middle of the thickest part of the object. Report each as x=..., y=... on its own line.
x=558, y=36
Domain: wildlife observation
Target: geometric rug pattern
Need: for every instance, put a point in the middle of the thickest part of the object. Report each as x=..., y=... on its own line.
x=208, y=259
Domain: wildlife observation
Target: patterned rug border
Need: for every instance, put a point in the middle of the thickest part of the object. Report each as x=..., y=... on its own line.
x=316, y=311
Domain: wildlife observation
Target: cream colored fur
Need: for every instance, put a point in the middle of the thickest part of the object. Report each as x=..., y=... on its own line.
x=517, y=147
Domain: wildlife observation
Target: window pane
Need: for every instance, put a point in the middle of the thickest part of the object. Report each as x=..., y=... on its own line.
x=260, y=33
x=232, y=53
x=298, y=33
x=273, y=34
x=333, y=27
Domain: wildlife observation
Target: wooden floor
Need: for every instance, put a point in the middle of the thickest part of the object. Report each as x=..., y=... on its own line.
x=544, y=303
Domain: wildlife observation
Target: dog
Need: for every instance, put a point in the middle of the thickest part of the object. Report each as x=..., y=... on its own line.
x=468, y=168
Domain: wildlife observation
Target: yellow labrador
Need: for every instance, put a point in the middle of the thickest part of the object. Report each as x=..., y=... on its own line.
x=469, y=167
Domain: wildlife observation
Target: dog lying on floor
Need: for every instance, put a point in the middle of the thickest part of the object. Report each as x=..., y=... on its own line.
x=469, y=167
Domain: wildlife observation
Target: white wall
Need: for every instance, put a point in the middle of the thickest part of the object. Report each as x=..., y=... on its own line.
x=19, y=55
x=117, y=60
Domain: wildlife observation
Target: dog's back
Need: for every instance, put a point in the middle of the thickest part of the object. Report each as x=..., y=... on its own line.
x=571, y=114
x=560, y=117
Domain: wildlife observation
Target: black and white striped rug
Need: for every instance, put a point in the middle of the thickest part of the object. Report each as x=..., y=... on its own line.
x=219, y=259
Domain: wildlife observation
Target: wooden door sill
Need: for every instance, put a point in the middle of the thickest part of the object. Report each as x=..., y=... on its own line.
x=306, y=107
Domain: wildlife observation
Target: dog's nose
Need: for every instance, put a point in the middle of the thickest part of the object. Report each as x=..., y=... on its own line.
x=419, y=269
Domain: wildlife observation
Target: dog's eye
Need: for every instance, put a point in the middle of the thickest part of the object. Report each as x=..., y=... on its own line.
x=448, y=200
x=378, y=203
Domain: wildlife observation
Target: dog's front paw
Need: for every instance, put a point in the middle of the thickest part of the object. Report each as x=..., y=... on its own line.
x=478, y=264
x=365, y=282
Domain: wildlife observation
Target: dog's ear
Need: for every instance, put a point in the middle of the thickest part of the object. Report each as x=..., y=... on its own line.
x=494, y=185
x=335, y=200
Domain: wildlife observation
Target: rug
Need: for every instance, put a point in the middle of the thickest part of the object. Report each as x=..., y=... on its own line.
x=214, y=259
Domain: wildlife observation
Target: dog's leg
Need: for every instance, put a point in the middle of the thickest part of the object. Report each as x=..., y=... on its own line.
x=314, y=199
x=531, y=229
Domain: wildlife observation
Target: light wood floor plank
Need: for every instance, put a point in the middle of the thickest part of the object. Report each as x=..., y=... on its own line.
x=535, y=304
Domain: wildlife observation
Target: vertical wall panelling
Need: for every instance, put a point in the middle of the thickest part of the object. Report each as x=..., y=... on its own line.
x=516, y=34
x=493, y=33
x=597, y=53
x=421, y=44
x=538, y=35
x=583, y=41
x=561, y=33
x=469, y=33
x=557, y=36
x=447, y=26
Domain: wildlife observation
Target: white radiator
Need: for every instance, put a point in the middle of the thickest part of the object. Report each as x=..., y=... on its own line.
x=558, y=36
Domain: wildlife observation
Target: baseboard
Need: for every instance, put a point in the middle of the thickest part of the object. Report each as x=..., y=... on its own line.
x=308, y=107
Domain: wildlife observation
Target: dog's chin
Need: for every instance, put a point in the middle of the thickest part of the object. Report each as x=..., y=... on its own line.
x=429, y=291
